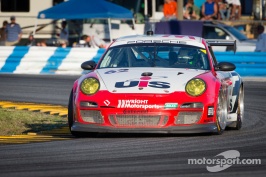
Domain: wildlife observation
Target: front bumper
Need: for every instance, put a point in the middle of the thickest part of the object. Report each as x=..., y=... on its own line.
x=126, y=113
x=195, y=128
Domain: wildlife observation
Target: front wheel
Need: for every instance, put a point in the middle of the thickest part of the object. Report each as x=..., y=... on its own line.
x=70, y=116
x=237, y=125
x=221, y=113
x=71, y=120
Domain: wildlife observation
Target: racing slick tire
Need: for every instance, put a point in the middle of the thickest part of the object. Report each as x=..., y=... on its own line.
x=71, y=118
x=221, y=113
x=237, y=125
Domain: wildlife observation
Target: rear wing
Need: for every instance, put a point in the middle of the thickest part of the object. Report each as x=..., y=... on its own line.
x=229, y=43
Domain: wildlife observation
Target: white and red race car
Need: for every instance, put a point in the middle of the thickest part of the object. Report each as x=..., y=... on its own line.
x=157, y=84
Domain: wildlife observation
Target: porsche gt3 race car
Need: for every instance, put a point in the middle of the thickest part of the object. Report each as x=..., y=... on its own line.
x=157, y=84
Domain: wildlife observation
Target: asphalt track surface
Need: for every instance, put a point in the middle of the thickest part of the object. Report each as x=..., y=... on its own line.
x=125, y=155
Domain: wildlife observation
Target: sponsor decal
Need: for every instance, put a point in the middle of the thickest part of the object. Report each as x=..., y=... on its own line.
x=106, y=102
x=128, y=111
x=142, y=82
x=170, y=105
x=134, y=103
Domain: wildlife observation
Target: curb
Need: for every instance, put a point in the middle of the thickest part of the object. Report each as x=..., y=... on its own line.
x=44, y=136
x=44, y=108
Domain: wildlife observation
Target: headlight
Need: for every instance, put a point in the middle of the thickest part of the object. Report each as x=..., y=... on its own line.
x=195, y=87
x=89, y=86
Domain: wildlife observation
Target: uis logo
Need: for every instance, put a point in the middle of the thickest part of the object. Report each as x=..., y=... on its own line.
x=144, y=81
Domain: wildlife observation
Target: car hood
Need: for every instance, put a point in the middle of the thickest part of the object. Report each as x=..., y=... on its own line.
x=146, y=80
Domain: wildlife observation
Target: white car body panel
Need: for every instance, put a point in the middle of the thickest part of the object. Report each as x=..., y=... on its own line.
x=173, y=79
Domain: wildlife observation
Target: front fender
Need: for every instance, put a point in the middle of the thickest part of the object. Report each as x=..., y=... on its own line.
x=213, y=84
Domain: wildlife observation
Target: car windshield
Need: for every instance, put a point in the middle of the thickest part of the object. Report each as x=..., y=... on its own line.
x=236, y=33
x=155, y=55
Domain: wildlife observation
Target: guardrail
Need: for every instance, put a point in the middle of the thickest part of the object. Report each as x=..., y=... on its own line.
x=54, y=60
x=247, y=63
x=45, y=60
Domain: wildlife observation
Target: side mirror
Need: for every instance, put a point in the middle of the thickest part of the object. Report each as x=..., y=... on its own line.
x=88, y=65
x=225, y=66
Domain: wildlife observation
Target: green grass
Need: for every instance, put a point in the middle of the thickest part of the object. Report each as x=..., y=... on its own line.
x=18, y=122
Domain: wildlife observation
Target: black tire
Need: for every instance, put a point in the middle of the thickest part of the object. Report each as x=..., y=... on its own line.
x=70, y=114
x=71, y=118
x=221, y=114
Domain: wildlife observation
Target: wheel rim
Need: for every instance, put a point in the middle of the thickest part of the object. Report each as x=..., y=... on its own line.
x=221, y=112
x=240, y=111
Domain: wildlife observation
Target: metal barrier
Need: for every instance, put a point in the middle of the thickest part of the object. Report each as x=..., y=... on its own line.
x=46, y=60
x=247, y=63
x=54, y=60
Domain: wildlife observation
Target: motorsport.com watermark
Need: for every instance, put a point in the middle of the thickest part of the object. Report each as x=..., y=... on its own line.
x=230, y=158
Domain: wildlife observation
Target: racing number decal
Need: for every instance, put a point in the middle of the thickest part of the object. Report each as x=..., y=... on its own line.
x=116, y=71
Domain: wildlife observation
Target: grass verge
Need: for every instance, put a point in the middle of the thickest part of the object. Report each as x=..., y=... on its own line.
x=18, y=122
